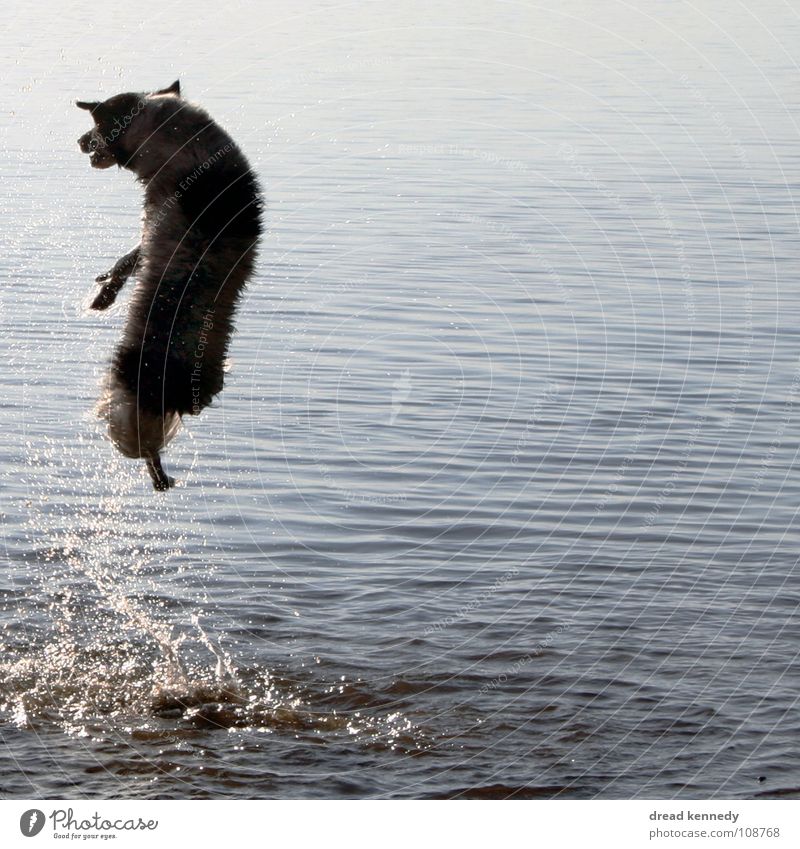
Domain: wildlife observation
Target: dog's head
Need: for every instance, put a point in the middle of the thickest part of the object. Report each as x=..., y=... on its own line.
x=119, y=129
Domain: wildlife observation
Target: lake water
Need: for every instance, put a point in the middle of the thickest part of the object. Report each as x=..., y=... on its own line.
x=501, y=497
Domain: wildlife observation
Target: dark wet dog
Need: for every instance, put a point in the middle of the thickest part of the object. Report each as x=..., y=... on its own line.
x=202, y=222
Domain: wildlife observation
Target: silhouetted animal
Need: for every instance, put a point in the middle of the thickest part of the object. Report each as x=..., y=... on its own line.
x=202, y=222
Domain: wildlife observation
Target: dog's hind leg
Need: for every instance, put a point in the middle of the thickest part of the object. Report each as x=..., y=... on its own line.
x=114, y=279
x=161, y=480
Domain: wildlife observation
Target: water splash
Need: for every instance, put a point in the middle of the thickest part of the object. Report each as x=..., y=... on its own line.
x=107, y=644
x=100, y=635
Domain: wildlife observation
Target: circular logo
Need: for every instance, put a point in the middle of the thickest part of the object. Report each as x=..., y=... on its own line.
x=31, y=822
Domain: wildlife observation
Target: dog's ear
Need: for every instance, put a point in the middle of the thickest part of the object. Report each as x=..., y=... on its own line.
x=175, y=89
x=98, y=109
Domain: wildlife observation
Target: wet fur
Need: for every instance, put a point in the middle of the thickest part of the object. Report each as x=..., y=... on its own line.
x=202, y=222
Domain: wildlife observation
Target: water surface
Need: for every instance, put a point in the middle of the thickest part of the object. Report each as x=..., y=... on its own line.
x=500, y=499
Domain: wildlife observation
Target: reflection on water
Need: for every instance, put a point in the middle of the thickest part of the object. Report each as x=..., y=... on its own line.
x=499, y=500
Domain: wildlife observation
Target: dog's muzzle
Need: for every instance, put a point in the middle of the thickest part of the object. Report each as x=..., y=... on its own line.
x=99, y=154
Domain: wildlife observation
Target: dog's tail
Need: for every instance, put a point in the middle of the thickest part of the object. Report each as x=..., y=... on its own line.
x=136, y=432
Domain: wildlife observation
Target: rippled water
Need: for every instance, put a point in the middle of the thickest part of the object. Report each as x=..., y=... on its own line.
x=501, y=496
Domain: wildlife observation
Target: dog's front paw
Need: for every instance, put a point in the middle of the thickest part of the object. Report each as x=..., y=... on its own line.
x=106, y=297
